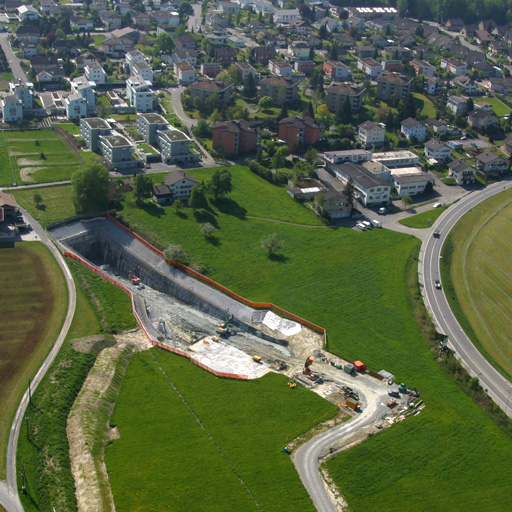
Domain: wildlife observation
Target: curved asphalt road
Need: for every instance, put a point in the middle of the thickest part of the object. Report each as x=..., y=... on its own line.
x=497, y=386
x=8, y=490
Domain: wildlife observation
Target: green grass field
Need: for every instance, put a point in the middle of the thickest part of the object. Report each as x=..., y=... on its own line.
x=425, y=104
x=423, y=220
x=57, y=203
x=481, y=276
x=180, y=444
x=40, y=156
x=8, y=175
x=33, y=302
x=499, y=108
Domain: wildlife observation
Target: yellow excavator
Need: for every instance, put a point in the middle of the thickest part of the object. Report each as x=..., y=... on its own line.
x=223, y=330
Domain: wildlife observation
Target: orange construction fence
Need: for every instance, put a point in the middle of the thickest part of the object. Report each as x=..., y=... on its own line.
x=227, y=291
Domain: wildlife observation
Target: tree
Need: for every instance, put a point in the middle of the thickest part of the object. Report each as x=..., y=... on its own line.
x=279, y=159
x=38, y=198
x=312, y=157
x=333, y=52
x=220, y=184
x=350, y=192
x=272, y=243
x=178, y=205
x=203, y=129
x=90, y=188
x=470, y=105
x=266, y=102
x=322, y=32
x=142, y=187
x=184, y=10
x=176, y=252
x=198, y=198
x=250, y=89
x=283, y=113
x=208, y=229
x=164, y=43
x=406, y=201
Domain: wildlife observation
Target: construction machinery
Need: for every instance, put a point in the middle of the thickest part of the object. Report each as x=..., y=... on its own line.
x=292, y=385
x=307, y=364
x=223, y=330
x=256, y=359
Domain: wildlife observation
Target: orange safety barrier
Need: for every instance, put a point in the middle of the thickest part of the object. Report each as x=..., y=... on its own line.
x=227, y=291
x=141, y=325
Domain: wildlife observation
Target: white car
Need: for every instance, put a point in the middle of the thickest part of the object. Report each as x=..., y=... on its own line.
x=437, y=205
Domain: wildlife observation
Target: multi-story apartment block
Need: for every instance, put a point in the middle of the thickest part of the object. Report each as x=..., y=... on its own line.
x=299, y=132
x=235, y=138
x=90, y=131
x=280, y=89
x=336, y=95
x=139, y=94
x=390, y=84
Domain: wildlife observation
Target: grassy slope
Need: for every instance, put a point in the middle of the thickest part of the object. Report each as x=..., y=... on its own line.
x=100, y=308
x=426, y=105
x=7, y=176
x=356, y=290
x=33, y=299
x=481, y=276
x=159, y=431
x=423, y=220
x=500, y=109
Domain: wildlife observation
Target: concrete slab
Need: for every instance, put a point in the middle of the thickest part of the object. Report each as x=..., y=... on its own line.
x=221, y=357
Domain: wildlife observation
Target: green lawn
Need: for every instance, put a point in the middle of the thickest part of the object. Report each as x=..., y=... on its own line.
x=7, y=173
x=423, y=220
x=71, y=128
x=480, y=275
x=98, y=39
x=57, y=203
x=180, y=444
x=500, y=109
x=425, y=104
x=33, y=301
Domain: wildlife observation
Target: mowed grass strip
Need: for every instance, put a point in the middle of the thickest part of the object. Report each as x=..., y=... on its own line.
x=7, y=175
x=423, y=220
x=33, y=302
x=481, y=274
x=219, y=449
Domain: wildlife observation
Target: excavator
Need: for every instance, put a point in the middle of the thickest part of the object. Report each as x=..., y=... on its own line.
x=223, y=330
x=307, y=364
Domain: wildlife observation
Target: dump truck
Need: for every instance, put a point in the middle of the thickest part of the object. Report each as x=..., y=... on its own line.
x=349, y=368
x=359, y=366
x=352, y=404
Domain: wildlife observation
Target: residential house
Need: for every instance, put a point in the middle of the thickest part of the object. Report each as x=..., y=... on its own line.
x=166, y=18
x=262, y=54
x=142, y=21
x=186, y=42
x=483, y=120
x=90, y=131
x=280, y=67
x=8, y=207
x=454, y=24
x=117, y=150
x=225, y=55
x=507, y=145
x=184, y=72
x=370, y=190
x=299, y=132
x=433, y=85
x=439, y=126
x=462, y=172
x=117, y=46
x=143, y=69
x=336, y=70
x=438, y=150
x=162, y=194
x=27, y=13
x=458, y=105
x=95, y=73
x=398, y=52
x=133, y=57
x=499, y=85
x=331, y=25
x=189, y=56
x=80, y=85
x=299, y=27
x=281, y=89
x=483, y=37
x=84, y=60
x=81, y=24
x=335, y=205
x=245, y=70
x=491, y=163
x=139, y=93
x=371, y=134
x=67, y=47
x=454, y=66
x=29, y=49
x=263, y=6
x=210, y=69
x=392, y=66
x=390, y=84
x=45, y=6
x=24, y=92
x=305, y=189
x=423, y=68
x=180, y=185
x=465, y=84
x=235, y=138
x=299, y=50
x=176, y=147
x=284, y=16
x=111, y=20
x=370, y=67
x=12, y=109
x=336, y=94
x=364, y=52
x=76, y=107
x=203, y=89
x=378, y=40
x=28, y=33
x=410, y=182
x=411, y=128
x=304, y=67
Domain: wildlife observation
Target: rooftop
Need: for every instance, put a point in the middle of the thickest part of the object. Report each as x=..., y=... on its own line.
x=96, y=123
x=116, y=140
x=153, y=118
x=173, y=135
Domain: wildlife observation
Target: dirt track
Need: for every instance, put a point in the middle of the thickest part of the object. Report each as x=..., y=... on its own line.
x=87, y=427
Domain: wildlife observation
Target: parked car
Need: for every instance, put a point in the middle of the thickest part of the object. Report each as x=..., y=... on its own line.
x=437, y=205
x=382, y=211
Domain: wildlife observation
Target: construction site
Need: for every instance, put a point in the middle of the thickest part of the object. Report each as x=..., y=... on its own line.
x=228, y=338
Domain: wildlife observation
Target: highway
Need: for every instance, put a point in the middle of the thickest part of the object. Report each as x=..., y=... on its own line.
x=8, y=489
x=497, y=386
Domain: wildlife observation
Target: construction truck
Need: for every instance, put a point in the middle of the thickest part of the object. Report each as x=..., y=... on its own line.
x=307, y=364
x=351, y=404
x=223, y=330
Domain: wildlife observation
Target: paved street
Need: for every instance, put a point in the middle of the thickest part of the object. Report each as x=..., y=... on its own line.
x=497, y=386
x=14, y=62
